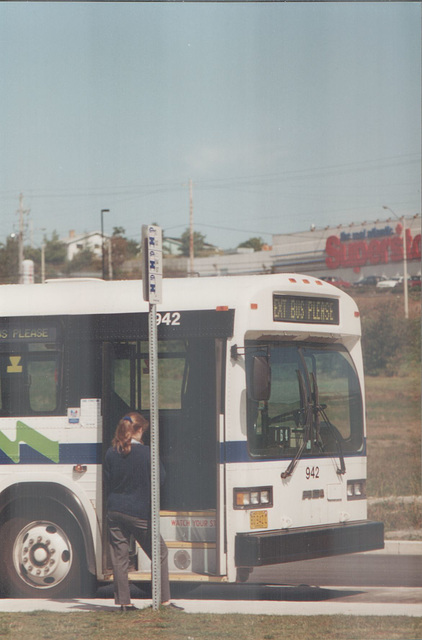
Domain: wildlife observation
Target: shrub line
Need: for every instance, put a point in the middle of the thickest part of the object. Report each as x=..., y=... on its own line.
x=396, y=499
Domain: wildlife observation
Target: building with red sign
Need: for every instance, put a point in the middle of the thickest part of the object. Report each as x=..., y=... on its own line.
x=345, y=253
x=352, y=251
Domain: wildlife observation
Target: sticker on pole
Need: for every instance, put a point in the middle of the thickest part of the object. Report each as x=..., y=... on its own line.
x=152, y=263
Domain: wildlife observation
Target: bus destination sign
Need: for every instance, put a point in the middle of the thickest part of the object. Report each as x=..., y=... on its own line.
x=27, y=333
x=305, y=309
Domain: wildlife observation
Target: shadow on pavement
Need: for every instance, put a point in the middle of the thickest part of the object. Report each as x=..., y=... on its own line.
x=253, y=592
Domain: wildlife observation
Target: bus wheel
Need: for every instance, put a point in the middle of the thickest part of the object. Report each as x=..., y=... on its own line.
x=39, y=557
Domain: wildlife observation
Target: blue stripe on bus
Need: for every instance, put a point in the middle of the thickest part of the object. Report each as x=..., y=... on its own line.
x=78, y=453
x=237, y=451
x=91, y=453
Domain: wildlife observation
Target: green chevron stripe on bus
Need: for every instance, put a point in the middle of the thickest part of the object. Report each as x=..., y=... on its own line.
x=34, y=439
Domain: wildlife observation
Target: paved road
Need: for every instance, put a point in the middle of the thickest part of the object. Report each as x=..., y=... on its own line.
x=360, y=570
x=362, y=584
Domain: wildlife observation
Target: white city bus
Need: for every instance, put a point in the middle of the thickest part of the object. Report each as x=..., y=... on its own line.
x=261, y=420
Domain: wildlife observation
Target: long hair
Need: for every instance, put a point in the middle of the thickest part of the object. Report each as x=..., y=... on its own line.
x=131, y=423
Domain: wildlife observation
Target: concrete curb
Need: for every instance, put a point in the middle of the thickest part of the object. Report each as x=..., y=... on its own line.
x=224, y=607
x=400, y=548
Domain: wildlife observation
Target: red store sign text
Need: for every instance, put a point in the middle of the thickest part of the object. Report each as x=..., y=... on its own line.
x=375, y=251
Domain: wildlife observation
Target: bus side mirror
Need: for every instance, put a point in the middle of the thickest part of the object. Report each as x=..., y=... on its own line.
x=260, y=387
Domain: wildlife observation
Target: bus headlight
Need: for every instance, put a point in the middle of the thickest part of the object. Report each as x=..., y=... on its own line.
x=252, y=497
x=356, y=489
x=266, y=496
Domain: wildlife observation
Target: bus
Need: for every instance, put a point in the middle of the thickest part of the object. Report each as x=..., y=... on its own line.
x=261, y=417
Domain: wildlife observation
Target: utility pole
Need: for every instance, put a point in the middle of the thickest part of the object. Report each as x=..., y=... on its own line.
x=110, y=261
x=21, y=211
x=43, y=257
x=405, y=283
x=103, y=211
x=191, y=252
x=43, y=262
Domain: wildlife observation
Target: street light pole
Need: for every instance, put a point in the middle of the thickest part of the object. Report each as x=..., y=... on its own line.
x=406, y=293
x=103, y=211
x=21, y=213
x=43, y=256
x=191, y=243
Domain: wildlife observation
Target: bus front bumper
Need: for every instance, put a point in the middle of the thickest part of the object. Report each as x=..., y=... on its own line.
x=288, y=545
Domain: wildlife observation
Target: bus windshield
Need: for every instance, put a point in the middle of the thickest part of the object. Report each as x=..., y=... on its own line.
x=315, y=405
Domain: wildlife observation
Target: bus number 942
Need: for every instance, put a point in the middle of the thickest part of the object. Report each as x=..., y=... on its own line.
x=312, y=472
x=170, y=319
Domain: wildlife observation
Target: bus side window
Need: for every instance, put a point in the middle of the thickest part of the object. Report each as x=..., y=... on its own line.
x=13, y=389
x=122, y=381
x=29, y=381
x=171, y=367
x=43, y=382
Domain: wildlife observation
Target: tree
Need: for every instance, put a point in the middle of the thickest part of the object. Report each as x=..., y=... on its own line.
x=84, y=260
x=9, y=261
x=132, y=247
x=55, y=250
x=253, y=243
x=198, y=243
x=122, y=249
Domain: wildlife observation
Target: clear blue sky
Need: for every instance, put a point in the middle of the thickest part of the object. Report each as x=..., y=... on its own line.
x=282, y=114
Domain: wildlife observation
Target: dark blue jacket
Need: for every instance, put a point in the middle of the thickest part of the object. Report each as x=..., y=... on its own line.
x=128, y=481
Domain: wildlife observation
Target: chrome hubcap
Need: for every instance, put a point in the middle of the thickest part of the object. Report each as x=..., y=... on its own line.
x=42, y=554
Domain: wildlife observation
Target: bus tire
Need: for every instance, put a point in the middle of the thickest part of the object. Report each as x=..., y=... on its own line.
x=41, y=555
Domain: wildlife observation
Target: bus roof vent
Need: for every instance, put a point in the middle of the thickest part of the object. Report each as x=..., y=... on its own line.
x=61, y=280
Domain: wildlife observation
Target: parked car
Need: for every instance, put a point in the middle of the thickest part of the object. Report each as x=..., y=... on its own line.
x=415, y=282
x=390, y=283
x=371, y=281
x=335, y=280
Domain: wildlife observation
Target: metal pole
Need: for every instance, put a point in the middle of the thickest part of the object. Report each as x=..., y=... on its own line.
x=110, y=260
x=20, y=240
x=155, y=460
x=191, y=245
x=43, y=262
x=103, y=211
x=406, y=293
x=152, y=280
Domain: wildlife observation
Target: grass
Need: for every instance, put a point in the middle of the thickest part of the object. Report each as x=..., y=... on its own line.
x=393, y=406
x=394, y=435
x=151, y=625
x=394, y=450
x=405, y=519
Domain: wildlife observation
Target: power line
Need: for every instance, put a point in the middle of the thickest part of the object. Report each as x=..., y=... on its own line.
x=148, y=189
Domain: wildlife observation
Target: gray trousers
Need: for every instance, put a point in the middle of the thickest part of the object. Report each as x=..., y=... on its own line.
x=120, y=528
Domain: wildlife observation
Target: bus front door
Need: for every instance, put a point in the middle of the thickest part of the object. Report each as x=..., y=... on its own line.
x=189, y=415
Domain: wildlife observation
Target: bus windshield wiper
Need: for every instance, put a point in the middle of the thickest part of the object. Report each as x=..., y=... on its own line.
x=313, y=411
x=319, y=409
x=308, y=411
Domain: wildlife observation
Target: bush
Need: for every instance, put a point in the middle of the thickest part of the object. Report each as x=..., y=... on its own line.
x=388, y=340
